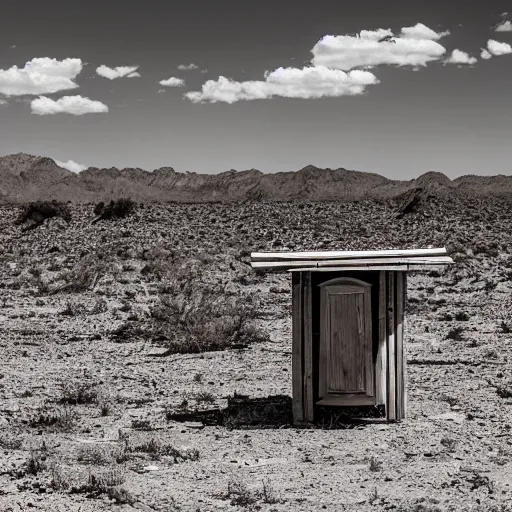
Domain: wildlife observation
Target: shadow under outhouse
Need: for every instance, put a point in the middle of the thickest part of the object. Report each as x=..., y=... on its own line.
x=348, y=335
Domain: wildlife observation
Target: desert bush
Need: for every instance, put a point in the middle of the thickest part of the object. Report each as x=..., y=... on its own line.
x=375, y=464
x=120, y=495
x=455, y=334
x=8, y=441
x=504, y=392
x=73, y=309
x=196, y=315
x=54, y=418
x=77, y=392
x=102, y=481
x=449, y=443
x=505, y=328
x=36, y=462
x=98, y=208
x=157, y=449
x=101, y=455
x=85, y=274
x=116, y=209
x=205, y=398
x=58, y=480
x=100, y=306
x=37, y=212
x=240, y=495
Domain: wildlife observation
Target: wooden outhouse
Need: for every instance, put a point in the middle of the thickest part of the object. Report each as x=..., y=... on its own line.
x=348, y=326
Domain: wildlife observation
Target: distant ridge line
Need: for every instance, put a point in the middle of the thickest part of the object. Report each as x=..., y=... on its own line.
x=25, y=178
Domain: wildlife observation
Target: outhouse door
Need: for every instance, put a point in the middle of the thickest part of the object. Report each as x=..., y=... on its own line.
x=346, y=373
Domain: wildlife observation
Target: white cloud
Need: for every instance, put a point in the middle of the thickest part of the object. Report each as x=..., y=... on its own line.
x=172, y=82
x=40, y=76
x=309, y=82
x=185, y=67
x=117, y=72
x=3, y=102
x=420, y=31
x=75, y=105
x=498, y=48
x=485, y=54
x=135, y=74
x=72, y=166
x=367, y=49
x=504, y=26
x=460, y=57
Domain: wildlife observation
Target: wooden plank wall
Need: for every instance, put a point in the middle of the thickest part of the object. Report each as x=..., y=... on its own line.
x=297, y=364
x=391, y=347
x=381, y=360
x=302, y=347
x=307, y=327
x=399, y=313
x=396, y=376
x=391, y=387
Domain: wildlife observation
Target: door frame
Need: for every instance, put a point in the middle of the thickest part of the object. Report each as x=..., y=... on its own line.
x=350, y=286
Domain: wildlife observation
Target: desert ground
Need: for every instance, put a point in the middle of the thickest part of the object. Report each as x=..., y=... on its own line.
x=117, y=334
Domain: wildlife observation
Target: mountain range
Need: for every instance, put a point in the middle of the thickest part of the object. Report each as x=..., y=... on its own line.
x=25, y=178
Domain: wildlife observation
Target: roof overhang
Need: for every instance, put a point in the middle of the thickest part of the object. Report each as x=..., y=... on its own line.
x=334, y=261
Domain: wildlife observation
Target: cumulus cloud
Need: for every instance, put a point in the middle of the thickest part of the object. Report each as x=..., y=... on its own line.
x=186, y=67
x=460, y=57
x=420, y=31
x=498, y=48
x=372, y=48
x=309, y=82
x=485, y=54
x=117, y=72
x=504, y=26
x=135, y=74
x=71, y=165
x=172, y=82
x=75, y=105
x=40, y=76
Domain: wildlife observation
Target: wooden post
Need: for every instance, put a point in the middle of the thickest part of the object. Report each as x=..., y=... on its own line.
x=381, y=360
x=308, y=347
x=404, y=288
x=297, y=356
x=399, y=318
x=391, y=346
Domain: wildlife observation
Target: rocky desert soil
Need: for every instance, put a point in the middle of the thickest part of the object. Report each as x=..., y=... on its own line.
x=96, y=412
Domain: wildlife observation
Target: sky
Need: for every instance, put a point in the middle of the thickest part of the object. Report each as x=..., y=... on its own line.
x=396, y=88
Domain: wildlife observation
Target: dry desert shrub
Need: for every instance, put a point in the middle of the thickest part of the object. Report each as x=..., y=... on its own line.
x=10, y=441
x=157, y=449
x=240, y=495
x=116, y=209
x=197, y=315
x=78, y=392
x=37, y=212
x=53, y=418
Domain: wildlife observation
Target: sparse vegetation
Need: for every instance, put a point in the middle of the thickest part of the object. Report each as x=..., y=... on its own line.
x=240, y=495
x=197, y=316
x=180, y=280
x=36, y=213
x=115, y=209
x=79, y=392
x=54, y=418
x=455, y=334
